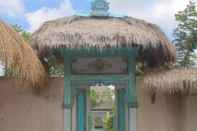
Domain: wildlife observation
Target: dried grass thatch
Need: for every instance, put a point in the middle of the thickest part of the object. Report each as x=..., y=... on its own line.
x=18, y=55
x=110, y=32
x=180, y=80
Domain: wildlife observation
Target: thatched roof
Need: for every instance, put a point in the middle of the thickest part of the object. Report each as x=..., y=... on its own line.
x=105, y=32
x=180, y=80
x=18, y=55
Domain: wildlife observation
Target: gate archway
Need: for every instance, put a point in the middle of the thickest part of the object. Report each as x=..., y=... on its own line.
x=86, y=68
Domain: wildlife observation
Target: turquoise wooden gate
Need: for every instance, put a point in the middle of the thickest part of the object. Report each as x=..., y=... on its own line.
x=73, y=81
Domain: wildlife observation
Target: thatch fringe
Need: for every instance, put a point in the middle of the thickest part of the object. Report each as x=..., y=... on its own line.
x=112, y=32
x=180, y=80
x=18, y=55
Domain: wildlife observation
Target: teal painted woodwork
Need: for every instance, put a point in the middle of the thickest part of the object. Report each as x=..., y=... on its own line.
x=99, y=8
x=131, y=89
x=72, y=81
x=67, y=93
x=121, y=110
x=99, y=77
x=67, y=80
x=81, y=110
x=90, y=122
x=108, y=52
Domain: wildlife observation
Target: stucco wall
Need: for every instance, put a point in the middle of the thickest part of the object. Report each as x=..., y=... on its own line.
x=26, y=109
x=189, y=113
x=163, y=115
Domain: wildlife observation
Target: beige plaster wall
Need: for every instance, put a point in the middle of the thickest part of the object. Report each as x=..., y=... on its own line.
x=25, y=109
x=163, y=115
x=189, y=113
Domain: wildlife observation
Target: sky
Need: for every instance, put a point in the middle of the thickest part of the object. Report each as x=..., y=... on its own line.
x=30, y=14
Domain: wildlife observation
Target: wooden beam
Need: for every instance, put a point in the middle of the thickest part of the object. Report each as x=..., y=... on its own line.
x=108, y=52
x=99, y=78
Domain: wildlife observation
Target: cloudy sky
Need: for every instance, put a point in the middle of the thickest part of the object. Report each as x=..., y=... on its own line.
x=30, y=14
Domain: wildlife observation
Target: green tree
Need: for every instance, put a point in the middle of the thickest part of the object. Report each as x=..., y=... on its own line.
x=26, y=35
x=108, y=121
x=186, y=35
x=93, y=98
x=54, y=62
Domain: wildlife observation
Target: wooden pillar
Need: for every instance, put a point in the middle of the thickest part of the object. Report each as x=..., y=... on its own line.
x=121, y=124
x=131, y=89
x=67, y=92
x=131, y=92
x=81, y=110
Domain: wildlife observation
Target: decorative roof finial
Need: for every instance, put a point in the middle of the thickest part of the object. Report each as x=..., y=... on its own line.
x=100, y=8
